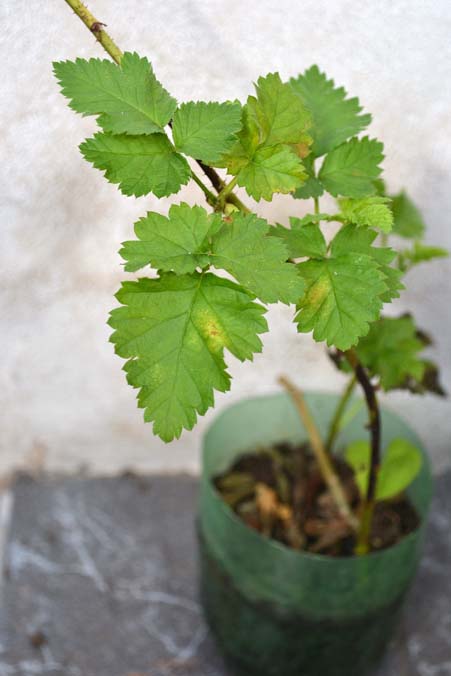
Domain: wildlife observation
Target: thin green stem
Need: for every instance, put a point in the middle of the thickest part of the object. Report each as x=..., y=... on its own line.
x=209, y=196
x=335, y=425
x=96, y=28
x=316, y=204
x=224, y=193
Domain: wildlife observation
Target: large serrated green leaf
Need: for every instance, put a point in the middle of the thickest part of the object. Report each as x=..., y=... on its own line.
x=342, y=298
x=128, y=98
x=350, y=169
x=173, y=332
x=335, y=117
x=179, y=242
x=206, y=131
x=256, y=260
x=140, y=164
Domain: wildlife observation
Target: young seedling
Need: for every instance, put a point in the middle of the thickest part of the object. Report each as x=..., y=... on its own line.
x=302, y=138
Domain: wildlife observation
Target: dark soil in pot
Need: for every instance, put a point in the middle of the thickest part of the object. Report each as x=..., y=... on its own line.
x=279, y=491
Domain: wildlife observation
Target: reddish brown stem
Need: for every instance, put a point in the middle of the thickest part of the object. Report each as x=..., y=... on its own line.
x=374, y=425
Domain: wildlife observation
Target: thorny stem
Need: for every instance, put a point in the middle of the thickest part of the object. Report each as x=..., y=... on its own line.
x=96, y=27
x=324, y=461
x=335, y=425
x=374, y=424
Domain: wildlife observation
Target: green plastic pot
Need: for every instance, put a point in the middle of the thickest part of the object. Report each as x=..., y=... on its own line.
x=279, y=612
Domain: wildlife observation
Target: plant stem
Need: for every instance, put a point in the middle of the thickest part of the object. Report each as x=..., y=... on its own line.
x=225, y=191
x=96, y=28
x=335, y=424
x=211, y=199
x=374, y=424
x=316, y=204
x=325, y=464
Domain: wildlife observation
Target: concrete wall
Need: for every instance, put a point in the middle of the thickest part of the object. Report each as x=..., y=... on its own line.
x=63, y=395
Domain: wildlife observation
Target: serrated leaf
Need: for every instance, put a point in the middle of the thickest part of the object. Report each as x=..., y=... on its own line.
x=278, y=113
x=267, y=155
x=391, y=351
x=206, y=131
x=420, y=253
x=272, y=169
x=335, y=117
x=179, y=242
x=373, y=212
x=360, y=240
x=408, y=221
x=257, y=260
x=401, y=463
x=342, y=298
x=140, y=164
x=128, y=98
x=304, y=238
x=350, y=169
x=173, y=332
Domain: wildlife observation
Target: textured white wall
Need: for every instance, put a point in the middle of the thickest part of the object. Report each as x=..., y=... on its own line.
x=62, y=390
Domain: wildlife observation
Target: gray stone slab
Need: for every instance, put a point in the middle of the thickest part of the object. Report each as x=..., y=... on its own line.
x=100, y=580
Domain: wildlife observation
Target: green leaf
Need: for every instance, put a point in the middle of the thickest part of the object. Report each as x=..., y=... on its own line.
x=179, y=242
x=408, y=221
x=173, y=331
x=335, y=117
x=373, y=212
x=256, y=259
x=128, y=98
x=190, y=238
x=312, y=187
x=391, y=351
x=140, y=164
x=267, y=155
x=359, y=240
x=304, y=238
x=342, y=298
x=350, y=169
x=358, y=455
x=420, y=253
x=278, y=113
x=400, y=465
x=345, y=292
x=273, y=169
x=206, y=131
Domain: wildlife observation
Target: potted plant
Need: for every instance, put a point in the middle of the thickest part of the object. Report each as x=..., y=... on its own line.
x=310, y=524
